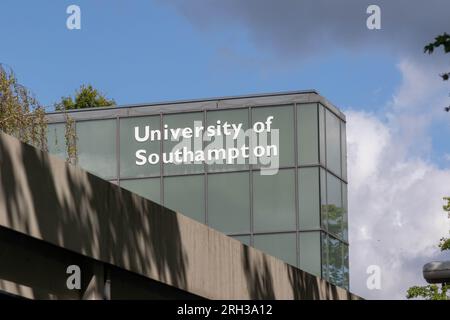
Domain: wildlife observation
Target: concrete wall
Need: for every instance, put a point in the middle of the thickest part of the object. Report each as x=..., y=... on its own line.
x=44, y=198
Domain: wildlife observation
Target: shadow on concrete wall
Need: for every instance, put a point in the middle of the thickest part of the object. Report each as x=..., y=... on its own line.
x=81, y=212
x=304, y=286
x=258, y=276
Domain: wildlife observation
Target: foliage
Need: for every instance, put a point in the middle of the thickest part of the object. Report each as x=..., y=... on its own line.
x=21, y=115
x=71, y=140
x=430, y=292
x=444, y=41
x=444, y=243
x=441, y=40
x=433, y=291
x=85, y=97
x=335, y=220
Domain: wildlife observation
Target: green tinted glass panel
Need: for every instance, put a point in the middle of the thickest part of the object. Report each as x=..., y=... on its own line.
x=335, y=263
x=324, y=245
x=283, y=121
x=129, y=145
x=345, y=212
x=186, y=196
x=56, y=141
x=323, y=198
x=310, y=252
x=147, y=188
x=346, y=268
x=281, y=246
x=97, y=147
x=335, y=210
x=274, y=201
x=229, y=202
x=333, y=135
x=308, y=195
x=344, y=150
x=231, y=117
x=181, y=121
x=322, y=135
x=308, y=132
x=244, y=239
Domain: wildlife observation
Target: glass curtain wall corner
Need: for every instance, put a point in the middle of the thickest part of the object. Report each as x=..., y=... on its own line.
x=298, y=215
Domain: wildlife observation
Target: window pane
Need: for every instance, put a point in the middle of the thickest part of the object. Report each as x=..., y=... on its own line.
x=181, y=121
x=236, y=117
x=344, y=150
x=325, y=260
x=335, y=265
x=185, y=195
x=308, y=149
x=129, y=145
x=229, y=202
x=322, y=134
x=244, y=239
x=56, y=141
x=345, y=212
x=346, y=268
x=147, y=188
x=274, y=201
x=323, y=198
x=333, y=143
x=310, y=251
x=335, y=212
x=281, y=246
x=308, y=195
x=97, y=147
x=283, y=120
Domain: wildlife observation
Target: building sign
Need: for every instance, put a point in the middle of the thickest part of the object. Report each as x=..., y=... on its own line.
x=221, y=143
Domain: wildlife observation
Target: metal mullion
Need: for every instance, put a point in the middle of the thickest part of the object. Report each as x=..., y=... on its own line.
x=297, y=199
x=161, y=162
x=118, y=149
x=237, y=234
x=205, y=172
x=260, y=233
x=250, y=174
x=232, y=171
x=319, y=157
x=326, y=188
x=335, y=236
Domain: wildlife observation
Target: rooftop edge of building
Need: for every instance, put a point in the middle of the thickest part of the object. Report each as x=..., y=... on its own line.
x=192, y=105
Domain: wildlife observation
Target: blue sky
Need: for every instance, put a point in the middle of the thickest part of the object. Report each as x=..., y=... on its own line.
x=145, y=51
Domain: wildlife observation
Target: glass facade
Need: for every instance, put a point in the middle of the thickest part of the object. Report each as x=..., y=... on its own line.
x=298, y=214
x=96, y=147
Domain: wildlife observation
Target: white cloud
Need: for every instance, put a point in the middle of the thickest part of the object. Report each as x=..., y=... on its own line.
x=395, y=192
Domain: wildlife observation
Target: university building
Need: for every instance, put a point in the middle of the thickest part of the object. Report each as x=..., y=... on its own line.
x=145, y=227
x=298, y=215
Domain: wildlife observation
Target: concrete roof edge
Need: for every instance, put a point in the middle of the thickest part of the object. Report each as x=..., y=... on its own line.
x=320, y=99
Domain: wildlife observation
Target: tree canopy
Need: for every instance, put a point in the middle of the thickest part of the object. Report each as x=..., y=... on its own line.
x=21, y=115
x=85, y=97
x=442, y=40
